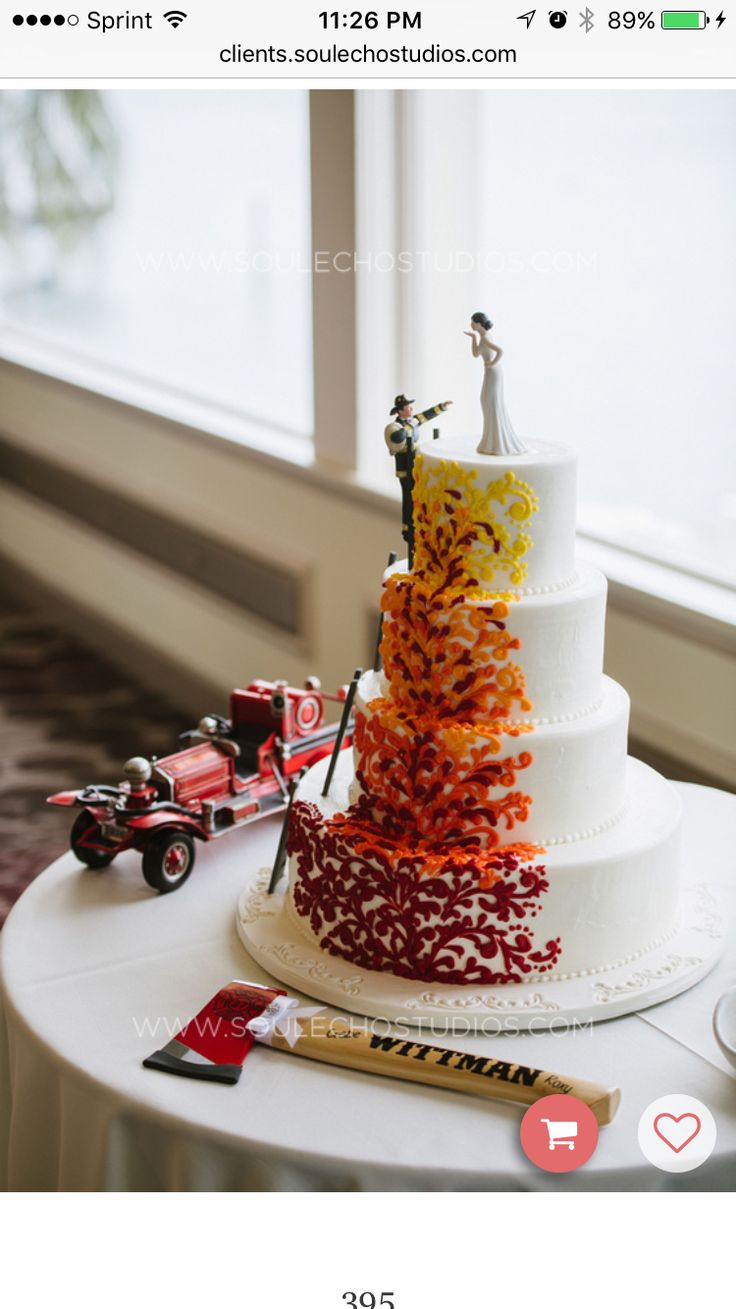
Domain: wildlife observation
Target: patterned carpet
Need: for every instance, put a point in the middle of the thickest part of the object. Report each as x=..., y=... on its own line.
x=67, y=718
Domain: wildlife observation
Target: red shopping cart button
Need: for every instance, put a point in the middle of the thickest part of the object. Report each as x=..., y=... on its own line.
x=559, y=1133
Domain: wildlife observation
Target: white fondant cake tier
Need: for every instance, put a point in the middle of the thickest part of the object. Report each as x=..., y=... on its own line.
x=608, y=898
x=550, y=471
x=576, y=776
x=560, y=652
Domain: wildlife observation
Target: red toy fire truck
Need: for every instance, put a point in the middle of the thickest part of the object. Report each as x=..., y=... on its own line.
x=235, y=771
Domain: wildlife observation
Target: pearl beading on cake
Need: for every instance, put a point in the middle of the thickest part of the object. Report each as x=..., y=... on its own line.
x=588, y=832
x=482, y=596
x=539, y=978
x=559, y=718
x=518, y=591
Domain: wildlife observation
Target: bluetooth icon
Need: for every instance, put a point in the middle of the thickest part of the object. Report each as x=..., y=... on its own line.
x=587, y=18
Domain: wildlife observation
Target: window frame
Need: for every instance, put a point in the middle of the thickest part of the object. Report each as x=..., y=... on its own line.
x=639, y=572
x=360, y=158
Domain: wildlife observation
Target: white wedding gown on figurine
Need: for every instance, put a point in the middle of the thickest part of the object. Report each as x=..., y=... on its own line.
x=499, y=437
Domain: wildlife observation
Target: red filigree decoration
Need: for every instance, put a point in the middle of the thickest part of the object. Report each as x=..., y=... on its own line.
x=373, y=907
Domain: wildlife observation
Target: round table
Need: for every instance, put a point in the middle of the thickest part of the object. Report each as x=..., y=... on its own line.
x=97, y=972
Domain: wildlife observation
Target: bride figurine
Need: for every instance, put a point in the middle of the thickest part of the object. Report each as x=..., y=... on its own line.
x=499, y=437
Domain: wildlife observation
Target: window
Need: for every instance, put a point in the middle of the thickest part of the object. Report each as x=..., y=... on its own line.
x=596, y=229
x=186, y=259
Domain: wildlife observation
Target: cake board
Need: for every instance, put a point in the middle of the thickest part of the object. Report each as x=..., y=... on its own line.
x=270, y=934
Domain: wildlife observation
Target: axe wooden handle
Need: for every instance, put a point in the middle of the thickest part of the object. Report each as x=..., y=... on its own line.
x=338, y=1041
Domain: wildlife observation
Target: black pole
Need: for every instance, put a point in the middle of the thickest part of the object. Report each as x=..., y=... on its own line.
x=280, y=860
x=377, y=663
x=410, y=524
x=349, y=698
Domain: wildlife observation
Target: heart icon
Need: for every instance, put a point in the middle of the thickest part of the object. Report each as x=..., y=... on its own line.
x=677, y=1131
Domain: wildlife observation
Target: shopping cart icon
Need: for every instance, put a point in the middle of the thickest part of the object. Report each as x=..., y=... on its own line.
x=560, y=1133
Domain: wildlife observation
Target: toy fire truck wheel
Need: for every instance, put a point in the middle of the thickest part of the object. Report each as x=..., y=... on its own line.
x=168, y=861
x=84, y=829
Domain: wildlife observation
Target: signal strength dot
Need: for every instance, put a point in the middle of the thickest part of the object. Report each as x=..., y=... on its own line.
x=45, y=20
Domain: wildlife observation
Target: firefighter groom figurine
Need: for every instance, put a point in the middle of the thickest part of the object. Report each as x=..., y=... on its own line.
x=401, y=442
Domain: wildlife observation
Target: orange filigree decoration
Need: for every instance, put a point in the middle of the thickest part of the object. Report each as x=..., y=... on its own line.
x=430, y=789
x=446, y=657
x=432, y=773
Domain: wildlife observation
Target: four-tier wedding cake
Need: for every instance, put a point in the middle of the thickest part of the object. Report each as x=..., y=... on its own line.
x=492, y=829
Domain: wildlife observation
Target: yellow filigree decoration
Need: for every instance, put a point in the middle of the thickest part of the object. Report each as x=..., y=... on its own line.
x=465, y=534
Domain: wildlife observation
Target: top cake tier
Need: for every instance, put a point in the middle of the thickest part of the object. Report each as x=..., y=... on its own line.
x=513, y=515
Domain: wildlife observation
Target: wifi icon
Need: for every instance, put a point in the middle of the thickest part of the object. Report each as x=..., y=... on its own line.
x=175, y=17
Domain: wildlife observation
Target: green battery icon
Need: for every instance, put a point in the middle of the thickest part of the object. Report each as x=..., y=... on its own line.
x=683, y=20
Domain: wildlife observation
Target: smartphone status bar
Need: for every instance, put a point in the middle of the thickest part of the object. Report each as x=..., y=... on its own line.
x=296, y=40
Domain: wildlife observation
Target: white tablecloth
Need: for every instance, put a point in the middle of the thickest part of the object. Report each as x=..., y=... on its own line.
x=88, y=959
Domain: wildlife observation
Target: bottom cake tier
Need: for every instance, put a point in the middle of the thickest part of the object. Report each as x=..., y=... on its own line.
x=527, y=915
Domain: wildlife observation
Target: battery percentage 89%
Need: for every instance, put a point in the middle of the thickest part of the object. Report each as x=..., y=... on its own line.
x=630, y=19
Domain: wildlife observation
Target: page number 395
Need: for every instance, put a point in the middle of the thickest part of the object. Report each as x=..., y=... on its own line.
x=369, y=1299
